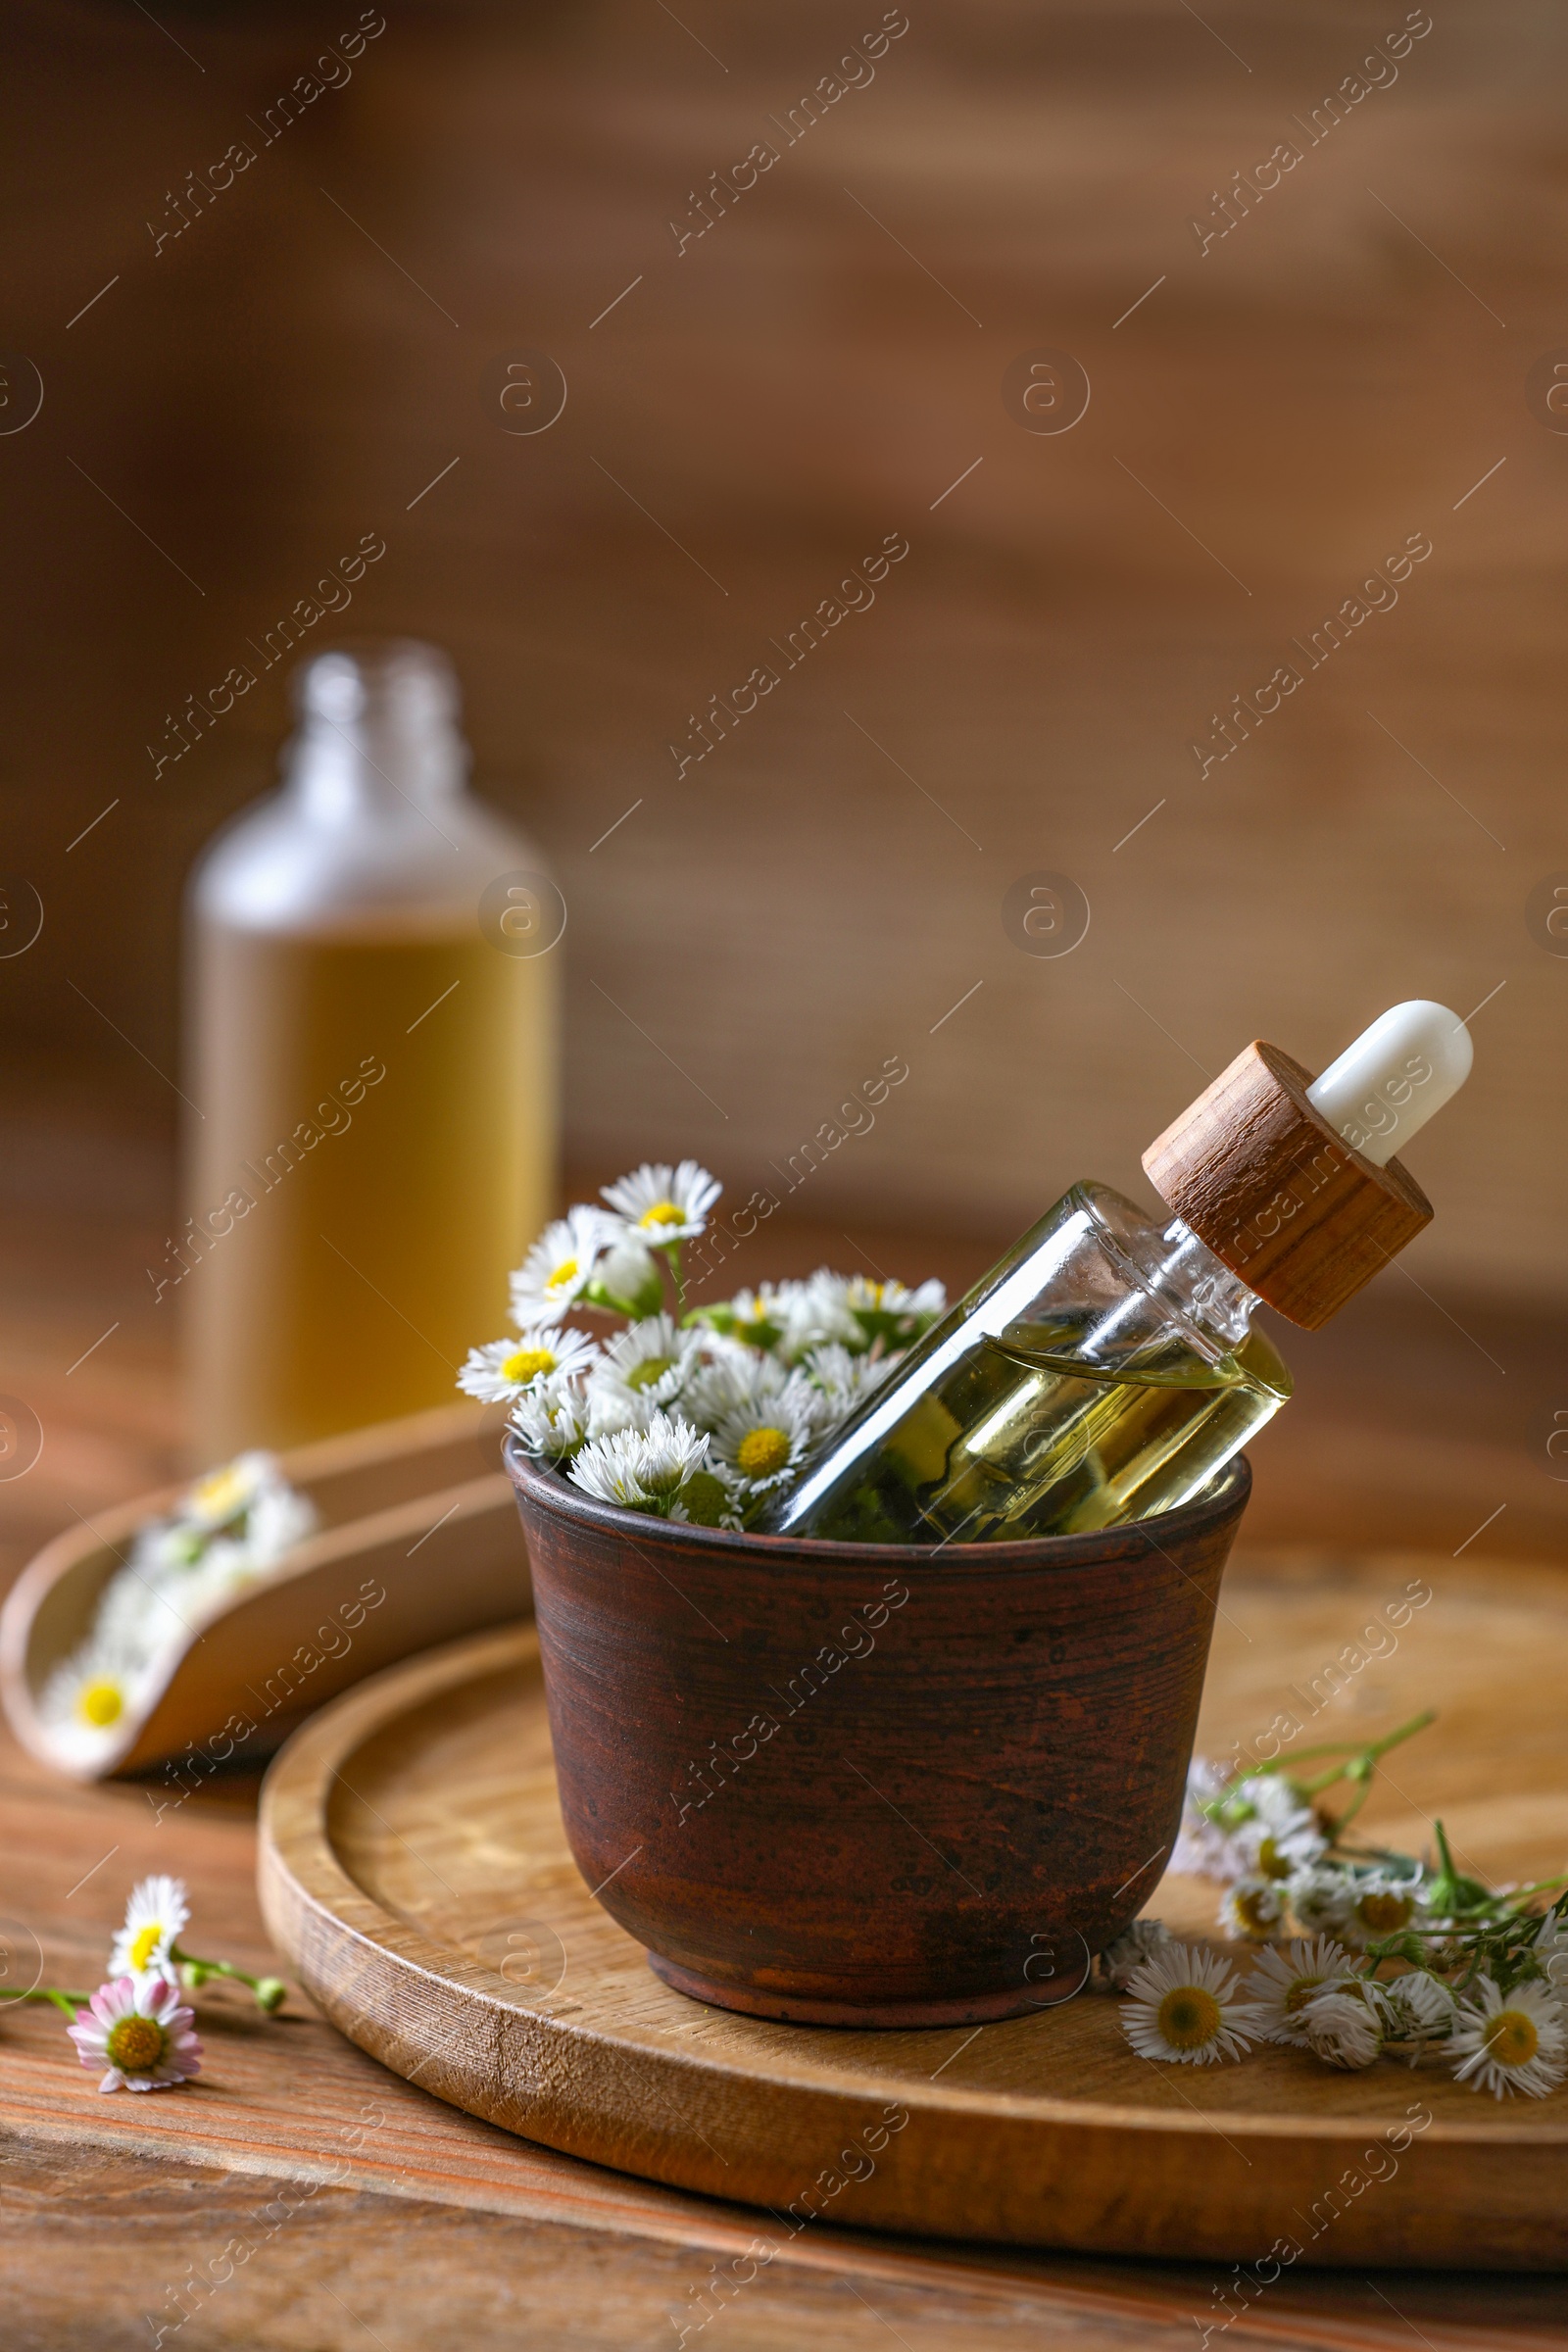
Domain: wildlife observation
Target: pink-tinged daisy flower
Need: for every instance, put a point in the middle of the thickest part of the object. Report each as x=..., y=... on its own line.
x=138, y=2029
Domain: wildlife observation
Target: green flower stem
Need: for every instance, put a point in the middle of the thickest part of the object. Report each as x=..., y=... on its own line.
x=1368, y=1755
x=269, y=1990
x=68, y=2002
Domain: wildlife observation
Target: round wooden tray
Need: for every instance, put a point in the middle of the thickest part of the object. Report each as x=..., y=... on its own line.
x=415, y=1870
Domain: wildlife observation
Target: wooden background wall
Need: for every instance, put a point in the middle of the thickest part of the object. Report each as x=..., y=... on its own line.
x=1281, y=412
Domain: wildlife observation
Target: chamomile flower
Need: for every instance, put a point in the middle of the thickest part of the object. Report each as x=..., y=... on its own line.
x=1320, y=1895
x=886, y=1309
x=672, y=1451
x=226, y=1494
x=1183, y=2007
x=642, y=1469
x=627, y=1280
x=139, y=2032
x=154, y=1917
x=1551, y=1949
x=815, y=1313
x=663, y=1204
x=1343, y=2026
x=1282, y=1983
x=1509, y=2041
x=560, y=1266
x=1255, y=1908
x=552, y=1420
x=1202, y=1849
x=651, y=1360
x=1415, y=2007
x=730, y=1375
x=1128, y=1951
x=1276, y=1833
x=766, y=1439
x=507, y=1369
x=1379, y=1904
x=87, y=1698
x=845, y=1379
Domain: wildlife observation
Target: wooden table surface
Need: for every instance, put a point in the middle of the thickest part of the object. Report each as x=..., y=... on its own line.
x=373, y=2214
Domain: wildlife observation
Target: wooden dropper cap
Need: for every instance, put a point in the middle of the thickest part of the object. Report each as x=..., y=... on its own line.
x=1303, y=1210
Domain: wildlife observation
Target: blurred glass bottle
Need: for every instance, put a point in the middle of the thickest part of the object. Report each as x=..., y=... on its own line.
x=371, y=1038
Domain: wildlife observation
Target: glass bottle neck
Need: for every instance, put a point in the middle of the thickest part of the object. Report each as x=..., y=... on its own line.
x=377, y=734
x=1184, y=1272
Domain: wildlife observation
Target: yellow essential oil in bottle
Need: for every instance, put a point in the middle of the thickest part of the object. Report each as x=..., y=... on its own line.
x=372, y=1139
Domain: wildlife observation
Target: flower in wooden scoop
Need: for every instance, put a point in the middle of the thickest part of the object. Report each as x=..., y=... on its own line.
x=138, y=2030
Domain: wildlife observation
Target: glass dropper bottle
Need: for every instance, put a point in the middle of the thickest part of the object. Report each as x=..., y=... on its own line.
x=1109, y=1367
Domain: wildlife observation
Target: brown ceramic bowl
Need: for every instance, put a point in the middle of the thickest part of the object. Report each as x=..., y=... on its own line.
x=866, y=1783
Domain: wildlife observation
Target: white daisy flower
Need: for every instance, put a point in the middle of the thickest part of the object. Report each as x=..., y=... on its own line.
x=1379, y=1904
x=154, y=1917
x=767, y=1439
x=651, y=1360
x=628, y=1279
x=887, y=1309
x=1183, y=2008
x=1509, y=2041
x=1274, y=1830
x=642, y=1469
x=1282, y=1984
x=1415, y=2007
x=1203, y=1850
x=607, y=1468
x=278, y=1518
x=560, y=1266
x=1551, y=1949
x=663, y=1204
x=1342, y=2028
x=1128, y=1951
x=88, y=1696
x=757, y=1318
x=226, y=1494
x=711, y=1497
x=552, y=1421
x=671, y=1451
x=137, y=1618
x=506, y=1369
x=1321, y=1896
x=730, y=1376
x=138, y=2029
x=1255, y=1908
x=842, y=1376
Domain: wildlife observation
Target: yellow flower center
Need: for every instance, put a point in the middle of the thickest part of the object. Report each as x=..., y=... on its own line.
x=1512, y=2039
x=136, y=2045
x=218, y=1494
x=1301, y=1993
x=101, y=1703
x=527, y=1364
x=1253, y=1912
x=1385, y=1914
x=1189, y=2017
x=1271, y=1862
x=662, y=1212
x=762, y=1451
x=566, y=1271
x=652, y=1368
x=144, y=1943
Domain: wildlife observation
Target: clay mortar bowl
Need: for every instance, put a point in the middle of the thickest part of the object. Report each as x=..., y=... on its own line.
x=866, y=1783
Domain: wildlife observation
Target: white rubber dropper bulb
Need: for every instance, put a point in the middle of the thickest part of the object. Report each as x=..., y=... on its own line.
x=1383, y=1090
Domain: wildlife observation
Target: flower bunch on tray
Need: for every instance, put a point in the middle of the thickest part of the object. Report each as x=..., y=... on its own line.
x=1365, y=1952
x=697, y=1414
